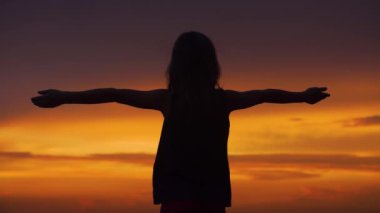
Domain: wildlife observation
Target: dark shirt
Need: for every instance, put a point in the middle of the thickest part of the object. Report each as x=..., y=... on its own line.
x=191, y=161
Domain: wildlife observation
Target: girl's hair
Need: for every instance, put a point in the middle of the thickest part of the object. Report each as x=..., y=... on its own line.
x=194, y=66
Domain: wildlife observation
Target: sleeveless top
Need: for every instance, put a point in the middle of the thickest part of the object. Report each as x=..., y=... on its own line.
x=191, y=161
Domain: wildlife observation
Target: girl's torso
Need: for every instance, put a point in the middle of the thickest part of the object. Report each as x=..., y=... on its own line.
x=191, y=161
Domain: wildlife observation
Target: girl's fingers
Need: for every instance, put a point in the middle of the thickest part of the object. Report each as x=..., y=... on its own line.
x=42, y=92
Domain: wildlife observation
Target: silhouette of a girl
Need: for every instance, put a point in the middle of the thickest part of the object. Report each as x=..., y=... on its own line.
x=191, y=171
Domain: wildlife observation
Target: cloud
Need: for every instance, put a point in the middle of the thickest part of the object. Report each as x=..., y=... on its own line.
x=309, y=160
x=296, y=119
x=139, y=158
x=333, y=201
x=280, y=174
x=318, y=200
x=16, y=155
x=30, y=204
x=362, y=121
x=326, y=161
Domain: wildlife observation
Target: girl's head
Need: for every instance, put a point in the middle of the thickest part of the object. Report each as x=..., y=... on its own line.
x=194, y=65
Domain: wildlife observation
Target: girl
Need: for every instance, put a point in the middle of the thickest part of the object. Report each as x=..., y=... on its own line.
x=191, y=170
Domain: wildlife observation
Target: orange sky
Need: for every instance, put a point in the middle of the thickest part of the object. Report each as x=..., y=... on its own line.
x=99, y=158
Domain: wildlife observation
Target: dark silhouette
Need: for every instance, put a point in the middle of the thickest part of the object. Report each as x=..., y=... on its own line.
x=191, y=171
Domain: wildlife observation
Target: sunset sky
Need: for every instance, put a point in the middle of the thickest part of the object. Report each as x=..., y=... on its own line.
x=98, y=158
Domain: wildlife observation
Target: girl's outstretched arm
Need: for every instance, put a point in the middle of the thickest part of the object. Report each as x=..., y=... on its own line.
x=241, y=100
x=152, y=99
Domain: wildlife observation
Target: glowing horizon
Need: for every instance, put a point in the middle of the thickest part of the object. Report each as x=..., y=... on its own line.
x=98, y=158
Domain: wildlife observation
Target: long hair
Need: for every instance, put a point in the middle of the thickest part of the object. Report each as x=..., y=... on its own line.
x=194, y=65
x=193, y=70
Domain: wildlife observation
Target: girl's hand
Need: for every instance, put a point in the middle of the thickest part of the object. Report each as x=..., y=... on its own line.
x=315, y=94
x=48, y=99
